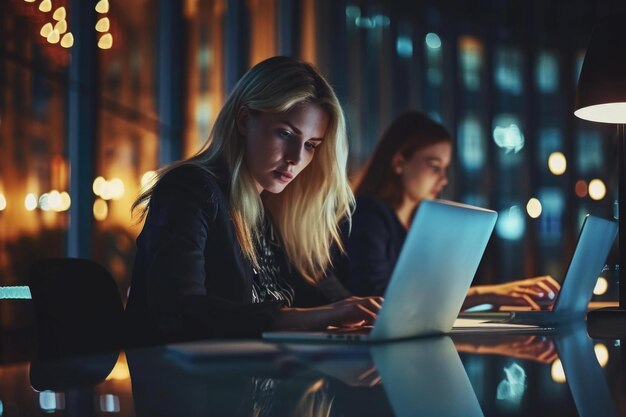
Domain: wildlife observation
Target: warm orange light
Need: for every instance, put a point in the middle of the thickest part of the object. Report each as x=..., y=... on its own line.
x=30, y=202
x=67, y=41
x=54, y=36
x=120, y=371
x=557, y=372
x=148, y=179
x=66, y=201
x=106, y=41
x=602, y=354
x=61, y=27
x=100, y=209
x=46, y=29
x=557, y=163
x=103, y=25
x=3, y=202
x=533, y=208
x=102, y=6
x=602, y=285
x=597, y=189
x=59, y=14
x=45, y=6
x=581, y=188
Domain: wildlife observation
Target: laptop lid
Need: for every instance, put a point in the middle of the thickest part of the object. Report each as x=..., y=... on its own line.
x=434, y=270
x=594, y=244
x=431, y=277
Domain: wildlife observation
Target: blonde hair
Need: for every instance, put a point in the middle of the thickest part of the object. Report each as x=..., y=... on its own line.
x=308, y=212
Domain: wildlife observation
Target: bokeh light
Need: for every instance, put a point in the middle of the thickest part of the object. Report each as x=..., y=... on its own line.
x=100, y=209
x=602, y=285
x=433, y=41
x=533, y=208
x=106, y=41
x=581, y=188
x=98, y=185
x=597, y=189
x=116, y=188
x=30, y=202
x=557, y=163
x=509, y=137
x=557, y=372
x=511, y=224
x=59, y=14
x=103, y=25
x=602, y=354
x=148, y=179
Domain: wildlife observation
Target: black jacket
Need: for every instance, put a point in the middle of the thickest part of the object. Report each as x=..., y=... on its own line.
x=372, y=247
x=190, y=278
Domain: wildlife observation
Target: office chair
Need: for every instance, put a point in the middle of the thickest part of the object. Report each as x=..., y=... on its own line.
x=77, y=306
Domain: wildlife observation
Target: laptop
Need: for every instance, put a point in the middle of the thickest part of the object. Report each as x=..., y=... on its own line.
x=594, y=244
x=425, y=377
x=430, y=280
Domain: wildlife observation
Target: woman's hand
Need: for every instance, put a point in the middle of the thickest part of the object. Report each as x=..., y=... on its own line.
x=534, y=347
x=351, y=312
x=537, y=293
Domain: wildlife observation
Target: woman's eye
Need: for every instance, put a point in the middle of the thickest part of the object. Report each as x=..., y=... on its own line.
x=284, y=134
x=310, y=145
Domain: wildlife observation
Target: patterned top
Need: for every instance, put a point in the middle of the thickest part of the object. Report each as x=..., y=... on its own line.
x=268, y=283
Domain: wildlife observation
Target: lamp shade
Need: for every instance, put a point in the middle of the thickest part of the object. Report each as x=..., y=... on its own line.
x=601, y=92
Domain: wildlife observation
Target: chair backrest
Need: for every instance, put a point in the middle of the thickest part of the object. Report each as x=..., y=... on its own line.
x=77, y=306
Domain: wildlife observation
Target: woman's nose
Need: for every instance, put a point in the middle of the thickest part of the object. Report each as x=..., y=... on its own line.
x=293, y=155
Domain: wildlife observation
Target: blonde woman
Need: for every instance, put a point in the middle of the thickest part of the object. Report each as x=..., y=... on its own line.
x=237, y=238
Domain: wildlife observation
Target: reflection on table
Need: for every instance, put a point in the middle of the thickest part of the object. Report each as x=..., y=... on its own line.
x=565, y=374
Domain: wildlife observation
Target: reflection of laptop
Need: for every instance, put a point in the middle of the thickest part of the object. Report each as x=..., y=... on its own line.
x=585, y=378
x=435, y=268
x=594, y=243
x=425, y=377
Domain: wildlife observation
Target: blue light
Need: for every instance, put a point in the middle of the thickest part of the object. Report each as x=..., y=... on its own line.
x=381, y=20
x=547, y=72
x=404, y=46
x=480, y=307
x=352, y=12
x=509, y=137
x=364, y=22
x=433, y=41
x=47, y=401
x=15, y=293
x=512, y=388
x=511, y=224
x=471, y=144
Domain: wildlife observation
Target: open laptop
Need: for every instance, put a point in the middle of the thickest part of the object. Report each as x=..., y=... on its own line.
x=594, y=243
x=431, y=278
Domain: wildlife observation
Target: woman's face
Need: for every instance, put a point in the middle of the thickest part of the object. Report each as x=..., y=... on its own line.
x=423, y=175
x=280, y=145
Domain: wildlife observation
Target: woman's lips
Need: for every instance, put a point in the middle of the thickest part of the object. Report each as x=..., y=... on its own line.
x=284, y=176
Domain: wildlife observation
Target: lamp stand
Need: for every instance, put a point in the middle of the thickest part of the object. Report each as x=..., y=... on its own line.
x=610, y=322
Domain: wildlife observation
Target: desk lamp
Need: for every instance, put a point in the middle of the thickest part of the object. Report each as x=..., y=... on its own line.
x=601, y=97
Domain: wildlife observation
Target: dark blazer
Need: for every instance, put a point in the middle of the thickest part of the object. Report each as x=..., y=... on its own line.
x=372, y=247
x=190, y=278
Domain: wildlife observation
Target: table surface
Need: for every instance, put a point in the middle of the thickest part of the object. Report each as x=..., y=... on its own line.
x=562, y=374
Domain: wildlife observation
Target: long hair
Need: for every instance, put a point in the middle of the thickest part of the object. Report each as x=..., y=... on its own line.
x=308, y=212
x=409, y=133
